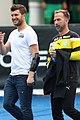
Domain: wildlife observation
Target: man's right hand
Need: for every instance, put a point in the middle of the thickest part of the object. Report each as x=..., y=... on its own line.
x=1, y=37
x=52, y=50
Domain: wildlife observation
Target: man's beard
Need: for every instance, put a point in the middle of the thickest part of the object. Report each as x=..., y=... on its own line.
x=60, y=28
x=19, y=23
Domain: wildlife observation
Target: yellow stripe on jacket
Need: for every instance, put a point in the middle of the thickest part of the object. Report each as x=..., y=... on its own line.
x=69, y=43
x=75, y=44
x=63, y=44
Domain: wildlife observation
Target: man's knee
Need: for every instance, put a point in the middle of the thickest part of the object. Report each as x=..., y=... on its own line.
x=68, y=110
x=7, y=106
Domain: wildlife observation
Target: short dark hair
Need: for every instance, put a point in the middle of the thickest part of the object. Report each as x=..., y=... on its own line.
x=19, y=7
x=65, y=13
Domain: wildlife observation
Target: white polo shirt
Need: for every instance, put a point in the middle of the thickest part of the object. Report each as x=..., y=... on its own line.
x=21, y=55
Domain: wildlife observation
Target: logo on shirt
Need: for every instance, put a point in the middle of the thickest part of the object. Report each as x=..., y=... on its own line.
x=21, y=35
x=65, y=43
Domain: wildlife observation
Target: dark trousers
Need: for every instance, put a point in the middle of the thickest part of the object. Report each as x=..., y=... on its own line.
x=66, y=104
x=16, y=88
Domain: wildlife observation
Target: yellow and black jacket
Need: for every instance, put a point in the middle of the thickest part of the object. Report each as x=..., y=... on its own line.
x=67, y=54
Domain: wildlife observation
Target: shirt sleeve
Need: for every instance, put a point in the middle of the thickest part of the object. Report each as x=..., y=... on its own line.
x=32, y=38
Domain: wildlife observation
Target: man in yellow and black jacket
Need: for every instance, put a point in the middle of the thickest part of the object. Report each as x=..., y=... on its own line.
x=67, y=50
x=61, y=78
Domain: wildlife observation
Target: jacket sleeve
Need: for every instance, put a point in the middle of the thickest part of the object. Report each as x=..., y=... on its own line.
x=75, y=55
x=48, y=57
x=48, y=61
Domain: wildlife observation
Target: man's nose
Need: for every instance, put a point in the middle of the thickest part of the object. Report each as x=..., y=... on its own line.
x=56, y=21
x=13, y=17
